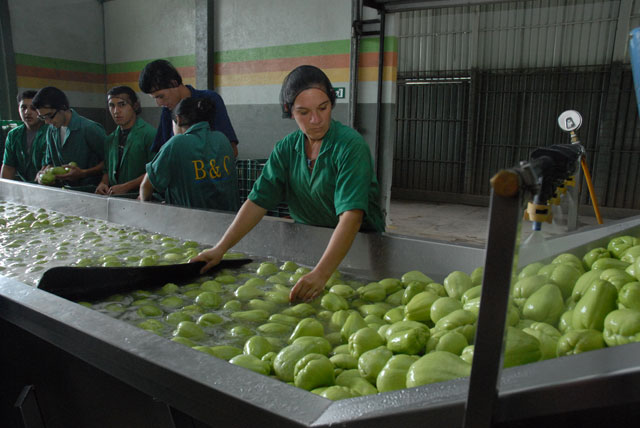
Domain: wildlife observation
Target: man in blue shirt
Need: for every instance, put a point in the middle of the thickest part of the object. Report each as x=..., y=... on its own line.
x=163, y=83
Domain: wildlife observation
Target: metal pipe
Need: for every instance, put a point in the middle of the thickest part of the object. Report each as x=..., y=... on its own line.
x=356, y=10
x=378, y=146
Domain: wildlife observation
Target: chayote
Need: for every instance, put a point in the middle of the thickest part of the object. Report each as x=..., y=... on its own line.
x=618, y=245
x=257, y=346
x=443, y=306
x=334, y=302
x=545, y=305
x=457, y=283
x=353, y=323
x=419, y=307
x=452, y=341
x=356, y=382
x=252, y=363
x=364, y=340
x=436, y=366
x=578, y=341
x=629, y=296
x=372, y=361
x=520, y=348
x=621, y=326
x=307, y=327
x=286, y=359
x=312, y=371
x=595, y=254
x=372, y=292
x=617, y=277
x=393, y=375
x=411, y=290
x=415, y=275
x=593, y=307
x=411, y=342
x=563, y=275
x=548, y=337
x=344, y=361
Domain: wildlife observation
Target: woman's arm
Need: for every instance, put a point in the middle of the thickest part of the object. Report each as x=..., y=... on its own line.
x=312, y=284
x=146, y=188
x=249, y=215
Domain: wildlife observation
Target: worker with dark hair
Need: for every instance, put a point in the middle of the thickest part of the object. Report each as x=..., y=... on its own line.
x=128, y=148
x=73, y=141
x=323, y=171
x=163, y=83
x=196, y=167
x=26, y=144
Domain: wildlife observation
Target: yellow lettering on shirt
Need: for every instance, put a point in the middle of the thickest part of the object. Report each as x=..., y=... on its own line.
x=224, y=164
x=214, y=171
x=198, y=166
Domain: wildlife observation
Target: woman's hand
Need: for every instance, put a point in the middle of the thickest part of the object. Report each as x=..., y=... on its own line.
x=309, y=286
x=211, y=257
x=102, y=189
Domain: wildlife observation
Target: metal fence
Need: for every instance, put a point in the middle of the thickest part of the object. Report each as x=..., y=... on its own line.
x=453, y=133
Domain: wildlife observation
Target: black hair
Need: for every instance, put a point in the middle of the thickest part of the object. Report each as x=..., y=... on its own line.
x=157, y=75
x=50, y=97
x=28, y=94
x=191, y=110
x=118, y=90
x=299, y=79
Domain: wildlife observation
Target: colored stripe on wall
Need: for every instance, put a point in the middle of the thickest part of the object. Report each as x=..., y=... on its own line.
x=258, y=66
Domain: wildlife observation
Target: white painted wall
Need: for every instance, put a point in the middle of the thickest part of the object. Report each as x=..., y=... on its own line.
x=149, y=29
x=67, y=29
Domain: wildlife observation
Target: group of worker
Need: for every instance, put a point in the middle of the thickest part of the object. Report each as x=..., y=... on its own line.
x=323, y=171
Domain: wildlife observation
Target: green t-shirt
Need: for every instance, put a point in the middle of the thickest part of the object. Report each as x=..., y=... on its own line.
x=83, y=144
x=27, y=163
x=197, y=170
x=342, y=179
x=135, y=156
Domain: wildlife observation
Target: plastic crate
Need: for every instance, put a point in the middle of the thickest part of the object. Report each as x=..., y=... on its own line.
x=248, y=172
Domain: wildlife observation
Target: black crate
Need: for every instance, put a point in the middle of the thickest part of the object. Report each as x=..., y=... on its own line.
x=248, y=172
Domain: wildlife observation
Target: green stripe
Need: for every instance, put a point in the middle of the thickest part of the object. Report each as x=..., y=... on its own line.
x=127, y=67
x=372, y=44
x=58, y=63
x=335, y=47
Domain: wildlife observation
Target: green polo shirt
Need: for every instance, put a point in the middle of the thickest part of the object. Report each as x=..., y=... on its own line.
x=84, y=145
x=342, y=179
x=197, y=170
x=135, y=156
x=27, y=164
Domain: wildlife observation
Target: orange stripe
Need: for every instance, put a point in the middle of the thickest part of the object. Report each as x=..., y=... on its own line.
x=282, y=64
x=49, y=73
x=370, y=59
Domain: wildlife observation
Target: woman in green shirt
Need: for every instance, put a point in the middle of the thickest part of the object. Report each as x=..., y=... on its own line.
x=323, y=171
x=196, y=167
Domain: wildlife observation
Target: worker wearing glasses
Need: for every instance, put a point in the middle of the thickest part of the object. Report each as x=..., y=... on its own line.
x=73, y=141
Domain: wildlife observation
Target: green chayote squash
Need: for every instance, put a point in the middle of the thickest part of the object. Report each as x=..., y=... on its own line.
x=456, y=283
x=437, y=366
x=285, y=361
x=393, y=375
x=545, y=305
x=597, y=302
x=621, y=326
x=580, y=340
x=313, y=371
x=364, y=340
x=371, y=362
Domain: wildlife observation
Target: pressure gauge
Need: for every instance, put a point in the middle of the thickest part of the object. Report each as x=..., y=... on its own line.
x=570, y=120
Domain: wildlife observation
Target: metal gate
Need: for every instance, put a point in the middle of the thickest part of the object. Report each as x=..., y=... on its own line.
x=453, y=134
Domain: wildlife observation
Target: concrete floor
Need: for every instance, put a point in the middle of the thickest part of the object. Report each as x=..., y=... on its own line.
x=461, y=224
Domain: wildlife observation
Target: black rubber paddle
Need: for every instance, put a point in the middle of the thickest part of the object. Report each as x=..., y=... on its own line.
x=95, y=283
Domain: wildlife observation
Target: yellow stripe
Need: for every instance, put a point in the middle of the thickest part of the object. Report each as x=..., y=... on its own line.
x=370, y=74
x=65, y=85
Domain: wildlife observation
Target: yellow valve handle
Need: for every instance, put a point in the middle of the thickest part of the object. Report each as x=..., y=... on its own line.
x=539, y=213
x=592, y=192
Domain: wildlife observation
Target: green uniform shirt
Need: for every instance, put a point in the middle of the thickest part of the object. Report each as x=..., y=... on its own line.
x=26, y=164
x=136, y=155
x=197, y=170
x=84, y=145
x=342, y=179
